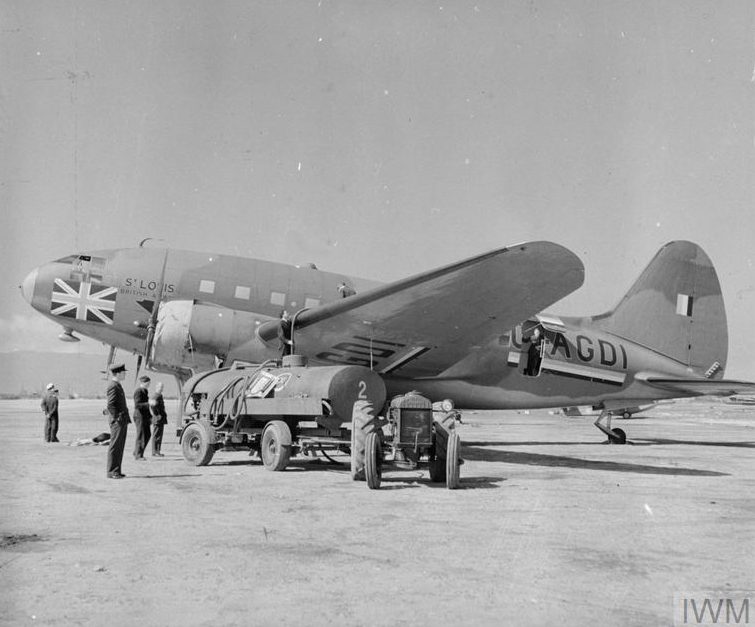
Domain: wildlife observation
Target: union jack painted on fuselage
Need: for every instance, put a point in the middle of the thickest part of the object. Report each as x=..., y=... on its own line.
x=83, y=301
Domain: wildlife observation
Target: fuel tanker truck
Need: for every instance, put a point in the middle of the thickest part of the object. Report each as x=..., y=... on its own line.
x=280, y=409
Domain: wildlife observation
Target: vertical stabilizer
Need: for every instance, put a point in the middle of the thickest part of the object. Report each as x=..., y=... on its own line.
x=675, y=308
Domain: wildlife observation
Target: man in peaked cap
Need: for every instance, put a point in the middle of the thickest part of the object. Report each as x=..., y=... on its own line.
x=50, y=407
x=119, y=420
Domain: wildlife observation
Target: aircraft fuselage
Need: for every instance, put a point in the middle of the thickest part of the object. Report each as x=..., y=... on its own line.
x=111, y=296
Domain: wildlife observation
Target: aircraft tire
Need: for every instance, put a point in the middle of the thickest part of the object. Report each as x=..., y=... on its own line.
x=362, y=424
x=275, y=448
x=626, y=415
x=452, y=461
x=198, y=443
x=618, y=436
x=373, y=461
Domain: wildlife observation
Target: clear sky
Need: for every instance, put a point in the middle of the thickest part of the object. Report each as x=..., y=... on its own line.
x=380, y=138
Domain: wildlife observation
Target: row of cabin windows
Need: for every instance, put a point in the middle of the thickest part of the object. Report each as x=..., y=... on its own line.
x=244, y=293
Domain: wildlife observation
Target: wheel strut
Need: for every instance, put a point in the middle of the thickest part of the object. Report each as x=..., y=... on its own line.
x=615, y=436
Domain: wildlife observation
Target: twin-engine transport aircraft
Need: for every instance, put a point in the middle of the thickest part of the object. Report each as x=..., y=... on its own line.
x=471, y=331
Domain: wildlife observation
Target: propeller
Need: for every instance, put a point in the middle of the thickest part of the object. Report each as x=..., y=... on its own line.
x=138, y=367
x=153, y=319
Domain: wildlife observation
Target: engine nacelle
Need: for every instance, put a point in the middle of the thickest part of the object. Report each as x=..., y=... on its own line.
x=191, y=336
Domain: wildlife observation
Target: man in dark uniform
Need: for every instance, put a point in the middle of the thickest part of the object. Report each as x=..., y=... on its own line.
x=50, y=407
x=142, y=417
x=534, y=356
x=159, y=418
x=119, y=420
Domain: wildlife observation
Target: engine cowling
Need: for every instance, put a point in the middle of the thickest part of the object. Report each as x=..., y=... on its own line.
x=191, y=336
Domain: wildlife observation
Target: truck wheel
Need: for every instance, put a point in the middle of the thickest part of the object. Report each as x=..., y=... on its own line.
x=452, y=461
x=198, y=443
x=362, y=424
x=373, y=461
x=276, y=445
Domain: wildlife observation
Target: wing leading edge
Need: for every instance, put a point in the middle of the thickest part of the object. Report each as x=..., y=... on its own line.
x=433, y=319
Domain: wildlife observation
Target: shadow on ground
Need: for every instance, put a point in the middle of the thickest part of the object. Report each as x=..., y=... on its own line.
x=560, y=461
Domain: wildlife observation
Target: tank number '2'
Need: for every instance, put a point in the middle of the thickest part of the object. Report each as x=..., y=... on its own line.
x=362, y=391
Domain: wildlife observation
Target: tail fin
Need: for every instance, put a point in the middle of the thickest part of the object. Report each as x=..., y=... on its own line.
x=676, y=309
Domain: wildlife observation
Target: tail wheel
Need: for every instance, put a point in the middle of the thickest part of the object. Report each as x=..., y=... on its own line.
x=373, y=461
x=626, y=415
x=452, y=461
x=362, y=424
x=618, y=436
x=276, y=445
x=198, y=443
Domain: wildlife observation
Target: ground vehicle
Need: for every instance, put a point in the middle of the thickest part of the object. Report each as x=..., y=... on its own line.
x=410, y=434
x=282, y=409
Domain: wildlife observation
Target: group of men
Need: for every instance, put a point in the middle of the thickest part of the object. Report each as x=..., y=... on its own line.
x=149, y=411
x=149, y=416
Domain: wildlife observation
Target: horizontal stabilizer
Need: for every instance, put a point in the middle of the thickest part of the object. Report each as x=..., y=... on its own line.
x=699, y=387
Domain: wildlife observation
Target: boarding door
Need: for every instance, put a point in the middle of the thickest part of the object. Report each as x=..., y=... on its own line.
x=550, y=328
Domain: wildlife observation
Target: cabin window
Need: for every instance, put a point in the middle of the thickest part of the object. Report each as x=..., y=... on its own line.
x=276, y=298
x=311, y=302
x=208, y=287
x=243, y=292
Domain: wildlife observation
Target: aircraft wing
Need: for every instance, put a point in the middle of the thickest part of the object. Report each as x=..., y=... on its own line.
x=712, y=387
x=422, y=325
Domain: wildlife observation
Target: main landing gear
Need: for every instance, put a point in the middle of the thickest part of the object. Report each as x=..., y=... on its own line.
x=615, y=436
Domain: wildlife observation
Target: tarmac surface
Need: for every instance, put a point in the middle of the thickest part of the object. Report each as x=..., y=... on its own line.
x=550, y=527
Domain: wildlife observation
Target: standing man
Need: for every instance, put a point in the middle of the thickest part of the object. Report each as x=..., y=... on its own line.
x=159, y=418
x=534, y=354
x=50, y=407
x=142, y=417
x=119, y=419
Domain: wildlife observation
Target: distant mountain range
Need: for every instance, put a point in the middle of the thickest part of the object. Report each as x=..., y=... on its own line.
x=26, y=373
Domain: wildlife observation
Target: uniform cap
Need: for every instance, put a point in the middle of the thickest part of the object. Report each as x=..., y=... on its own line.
x=50, y=386
x=144, y=379
x=116, y=368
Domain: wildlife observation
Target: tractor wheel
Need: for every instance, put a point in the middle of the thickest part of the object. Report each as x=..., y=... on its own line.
x=437, y=469
x=373, y=461
x=452, y=461
x=438, y=456
x=198, y=443
x=276, y=445
x=362, y=424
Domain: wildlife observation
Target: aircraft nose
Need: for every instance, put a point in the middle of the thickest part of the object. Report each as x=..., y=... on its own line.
x=27, y=287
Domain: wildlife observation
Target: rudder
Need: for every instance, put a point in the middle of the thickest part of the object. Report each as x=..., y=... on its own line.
x=676, y=308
